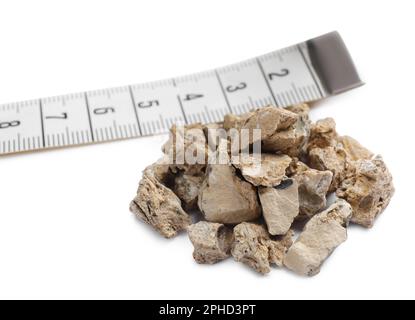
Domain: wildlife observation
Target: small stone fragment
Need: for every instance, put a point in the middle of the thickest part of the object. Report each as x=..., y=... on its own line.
x=233, y=121
x=254, y=247
x=313, y=186
x=223, y=196
x=268, y=119
x=281, y=130
x=292, y=140
x=325, y=152
x=368, y=188
x=323, y=134
x=278, y=247
x=213, y=133
x=267, y=170
x=157, y=205
x=296, y=167
x=280, y=206
x=187, y=188
x=332, y=158
x=320, y=237
x=301, y=109
x=160, y=170
x=354, y=150
x=329, y=151
x=187, y=149
x=212, y=241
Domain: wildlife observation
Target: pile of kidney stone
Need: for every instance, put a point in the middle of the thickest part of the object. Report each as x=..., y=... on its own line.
x=268, y=207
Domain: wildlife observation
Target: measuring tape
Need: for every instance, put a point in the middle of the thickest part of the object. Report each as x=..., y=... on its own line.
x=305, y=72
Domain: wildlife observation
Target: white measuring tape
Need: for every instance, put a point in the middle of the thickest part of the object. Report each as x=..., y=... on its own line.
x=305, y=72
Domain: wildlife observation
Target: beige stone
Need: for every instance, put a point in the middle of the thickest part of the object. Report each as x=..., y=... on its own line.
x=329, y=151
x=266, y=170
x=313, y=186
x=157, y=205
x=254, y=247
x=323, y=134
x=332, y=158
x=320, y=237
x=213, y=133
x=292, y=140
x=187, y=188
x=368, y=188
x=301, y=109
x=212, y=241
x=282, y=130
x=268, y=119
x=280, y=206
x=354, y=150
x=187, y=149
x=226, y=198
x=160, y=170
x=234, y=121
x=296, y=167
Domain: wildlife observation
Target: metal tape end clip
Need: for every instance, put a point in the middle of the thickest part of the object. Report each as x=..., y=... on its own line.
x=333, y=63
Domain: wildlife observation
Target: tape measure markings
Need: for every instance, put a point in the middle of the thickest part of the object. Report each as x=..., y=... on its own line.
x=284, y=77
x=89, y=117
x=42, y=123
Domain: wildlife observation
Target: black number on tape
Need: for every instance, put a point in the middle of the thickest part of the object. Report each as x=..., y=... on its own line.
x=99, y=111
x=192, y=96
x=63, y=116
x=148, y=104
x=282, y=73
x=5, y=125
x=240, y=86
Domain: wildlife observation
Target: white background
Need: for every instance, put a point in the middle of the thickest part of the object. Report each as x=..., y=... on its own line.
x=65, y=227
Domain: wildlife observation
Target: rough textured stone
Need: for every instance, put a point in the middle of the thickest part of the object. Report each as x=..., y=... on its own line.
x=212, y=241
x=368, y=188
x=281, y=130
x=296, y=167
x=267, y=170
x=157, y=205
x=329, y=151
x=160, y=170
x=223, y=196
x=354, y=150
x=280, y=206
x=320, y=237
x=191, y=156
x=332, y=158
x=269, y=119
x=233, y=180
x=301, y=109
x=292, y=140
x=313, y=186
x=323, y=134
x=325, y=152
x=254, y=247
x=187, y=188
x=213, y=132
